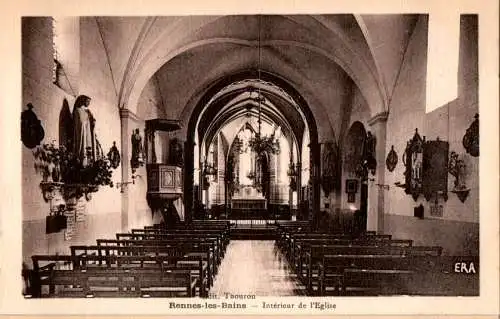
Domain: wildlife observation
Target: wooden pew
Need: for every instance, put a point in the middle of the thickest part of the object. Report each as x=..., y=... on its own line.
x=295, y=242
x=312, y=255
x=193, y=252
x=216, y=254
x=43, y=266
x=197, y=224
x=397, y=258
x=425, y=276
x=119, y=282
x=376, y=282
x=223, y=241
x=290, y=238
x=304, y=247
x=120, y=276
x=220, y=244
x=332, y=268
x=159, y=264
x=185, y=249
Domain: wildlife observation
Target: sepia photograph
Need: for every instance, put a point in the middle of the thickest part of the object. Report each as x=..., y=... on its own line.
x=253, y=162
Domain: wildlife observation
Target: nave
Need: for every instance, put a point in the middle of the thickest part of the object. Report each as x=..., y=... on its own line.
x=267, y=154
x=258, y=268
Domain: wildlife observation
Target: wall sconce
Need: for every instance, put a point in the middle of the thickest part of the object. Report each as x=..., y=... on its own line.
x=122, y=185
x=383, y=186
x=400, y=184
x=456, y=168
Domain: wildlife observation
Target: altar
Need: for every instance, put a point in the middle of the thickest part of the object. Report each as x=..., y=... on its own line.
x=248, y=198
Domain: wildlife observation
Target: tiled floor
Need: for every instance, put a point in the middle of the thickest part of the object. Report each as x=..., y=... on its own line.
x=255, y=267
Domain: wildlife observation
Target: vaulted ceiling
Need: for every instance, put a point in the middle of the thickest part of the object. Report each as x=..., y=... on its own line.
x=323, y=57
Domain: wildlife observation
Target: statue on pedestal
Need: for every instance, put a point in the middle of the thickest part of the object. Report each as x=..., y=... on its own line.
x=85, y=144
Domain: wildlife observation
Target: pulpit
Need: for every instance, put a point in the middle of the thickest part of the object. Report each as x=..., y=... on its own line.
x=165, y=180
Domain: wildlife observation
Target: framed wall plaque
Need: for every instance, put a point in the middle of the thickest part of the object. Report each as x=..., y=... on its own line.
x=435, y=169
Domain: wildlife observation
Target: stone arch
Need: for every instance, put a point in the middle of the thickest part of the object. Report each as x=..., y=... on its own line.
x=202, y=102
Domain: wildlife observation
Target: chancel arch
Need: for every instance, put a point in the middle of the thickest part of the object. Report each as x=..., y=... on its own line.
x=238, y=102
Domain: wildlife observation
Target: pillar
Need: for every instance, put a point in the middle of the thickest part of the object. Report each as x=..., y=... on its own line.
x=299, y=182
x=376, y=193
x=314, y=167
x=127, y=122
x=188, y=196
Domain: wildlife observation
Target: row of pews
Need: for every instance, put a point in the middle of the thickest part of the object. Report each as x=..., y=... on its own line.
x=150, y=262
x=368, y=264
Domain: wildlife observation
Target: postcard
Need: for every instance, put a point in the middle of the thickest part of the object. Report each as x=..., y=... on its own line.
x=294, y=158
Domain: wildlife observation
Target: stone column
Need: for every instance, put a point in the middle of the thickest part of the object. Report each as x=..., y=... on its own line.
x=299, y=182
x=188, y=196
x=127, y=121
x=315, y=178
x=376, y=193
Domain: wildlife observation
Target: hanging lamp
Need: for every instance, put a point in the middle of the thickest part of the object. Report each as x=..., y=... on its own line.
x=259, y=143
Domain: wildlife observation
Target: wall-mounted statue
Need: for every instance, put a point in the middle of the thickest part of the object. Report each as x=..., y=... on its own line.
x=114, y=156
x=32, y=132
x=456, y=167
x=85, y=144
x=329, y=174
x=370, y=152
x=137, y=158
x=176, y=153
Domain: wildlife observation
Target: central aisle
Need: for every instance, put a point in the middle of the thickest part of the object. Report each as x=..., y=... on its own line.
x=255, y=267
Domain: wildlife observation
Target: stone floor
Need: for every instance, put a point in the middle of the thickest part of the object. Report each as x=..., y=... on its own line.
x=255, y=267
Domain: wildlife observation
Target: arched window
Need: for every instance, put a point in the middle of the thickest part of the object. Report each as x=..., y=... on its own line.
x=442, y=58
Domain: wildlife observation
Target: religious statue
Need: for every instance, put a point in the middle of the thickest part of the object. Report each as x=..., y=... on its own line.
x=85, y=144
x=370, y=152
x=114, y=156
x=137, y=150
x=329, y=168
x=175, y=154
x=456, y=167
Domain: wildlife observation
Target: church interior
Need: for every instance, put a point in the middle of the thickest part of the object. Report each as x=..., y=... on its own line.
x=269, y=155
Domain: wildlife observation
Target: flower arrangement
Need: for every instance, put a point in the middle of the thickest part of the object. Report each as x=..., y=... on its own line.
x=61, y=165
